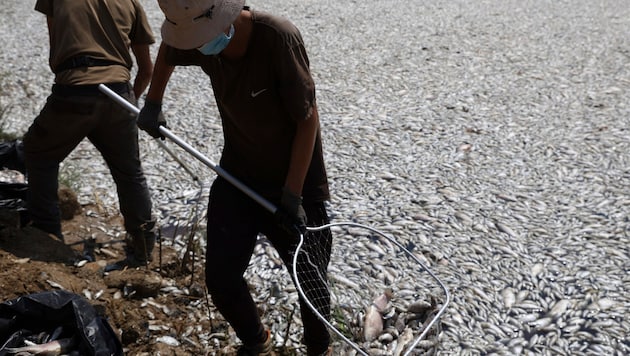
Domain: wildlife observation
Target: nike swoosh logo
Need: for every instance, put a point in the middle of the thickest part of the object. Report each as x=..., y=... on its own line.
x=256, y=93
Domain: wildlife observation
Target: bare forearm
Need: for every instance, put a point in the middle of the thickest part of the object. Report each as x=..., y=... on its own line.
x=141, y=82
x=302, y=152
x=145, y=68
x=161, y=75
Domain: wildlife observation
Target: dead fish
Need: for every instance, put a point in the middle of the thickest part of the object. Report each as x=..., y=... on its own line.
x=509, y=298
x=382, y=300
x=373, y=324
x=404, y=339
x=419, y=307
x=53, y=348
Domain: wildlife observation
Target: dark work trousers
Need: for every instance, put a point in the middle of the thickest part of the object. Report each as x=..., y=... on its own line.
x=62, y=124
x=234, y=221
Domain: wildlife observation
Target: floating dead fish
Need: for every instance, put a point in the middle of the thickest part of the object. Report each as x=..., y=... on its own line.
x=509, y=298
x=403, y=340
x=373, y=322
x=419, y=307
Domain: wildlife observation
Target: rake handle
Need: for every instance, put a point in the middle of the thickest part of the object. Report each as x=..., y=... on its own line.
x=188, y=148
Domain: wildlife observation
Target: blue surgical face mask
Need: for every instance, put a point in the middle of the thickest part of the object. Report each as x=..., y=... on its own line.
x=218, y=44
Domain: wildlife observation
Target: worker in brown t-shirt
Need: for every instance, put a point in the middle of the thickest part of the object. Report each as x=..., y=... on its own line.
x=90, y=42
x=265, y=94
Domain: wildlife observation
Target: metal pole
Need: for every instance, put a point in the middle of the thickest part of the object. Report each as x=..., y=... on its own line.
x=188, y=148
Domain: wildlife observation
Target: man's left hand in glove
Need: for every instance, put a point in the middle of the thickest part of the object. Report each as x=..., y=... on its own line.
x=291, y=214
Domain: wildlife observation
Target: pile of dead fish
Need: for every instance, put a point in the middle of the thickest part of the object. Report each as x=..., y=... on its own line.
x=490, y=138
x=382, y=299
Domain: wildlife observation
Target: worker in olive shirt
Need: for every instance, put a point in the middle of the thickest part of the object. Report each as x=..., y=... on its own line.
x=90, y=43
x=265, y=94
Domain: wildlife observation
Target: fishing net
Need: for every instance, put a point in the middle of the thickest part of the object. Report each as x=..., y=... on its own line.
x=377, y=297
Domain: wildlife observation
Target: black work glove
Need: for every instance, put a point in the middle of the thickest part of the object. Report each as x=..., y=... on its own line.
x=291, y=215
x=151, y=118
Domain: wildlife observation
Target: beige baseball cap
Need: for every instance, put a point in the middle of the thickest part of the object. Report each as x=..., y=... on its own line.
x=191, y=23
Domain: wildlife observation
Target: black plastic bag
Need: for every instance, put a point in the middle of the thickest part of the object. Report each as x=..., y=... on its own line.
x=13, y=191
x=46, y=312
x=12, y=156
x=13, y=196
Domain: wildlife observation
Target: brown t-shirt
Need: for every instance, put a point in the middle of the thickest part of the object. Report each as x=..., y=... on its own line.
x=96, y=28
x=261, y=97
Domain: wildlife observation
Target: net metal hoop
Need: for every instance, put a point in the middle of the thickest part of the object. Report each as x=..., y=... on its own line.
x=426, y=327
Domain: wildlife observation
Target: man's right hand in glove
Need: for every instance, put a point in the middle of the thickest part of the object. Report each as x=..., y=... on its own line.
x=151, y=118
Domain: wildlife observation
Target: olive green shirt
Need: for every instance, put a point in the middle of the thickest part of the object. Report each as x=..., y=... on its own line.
x=100, y=29
x=261, y=97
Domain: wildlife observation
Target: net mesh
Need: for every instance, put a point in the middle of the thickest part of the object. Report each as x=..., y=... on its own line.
x=363, y=268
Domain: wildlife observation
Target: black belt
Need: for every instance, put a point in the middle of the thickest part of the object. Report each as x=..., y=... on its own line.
x=84, y=61
x=88, y=90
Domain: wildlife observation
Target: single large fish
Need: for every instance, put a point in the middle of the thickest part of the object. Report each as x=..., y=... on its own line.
x=373, y=323
x=53, y=348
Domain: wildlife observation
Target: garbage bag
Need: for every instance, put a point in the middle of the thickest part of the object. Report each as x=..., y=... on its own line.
x=13, y=191
x=62, y=314
x=12, y=156
x=13, y=199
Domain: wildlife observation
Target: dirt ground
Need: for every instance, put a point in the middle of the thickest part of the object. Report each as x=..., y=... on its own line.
x=162, y=309
x=134, y=300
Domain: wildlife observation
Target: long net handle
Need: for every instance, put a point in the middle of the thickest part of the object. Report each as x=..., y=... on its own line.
x=188, y=148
